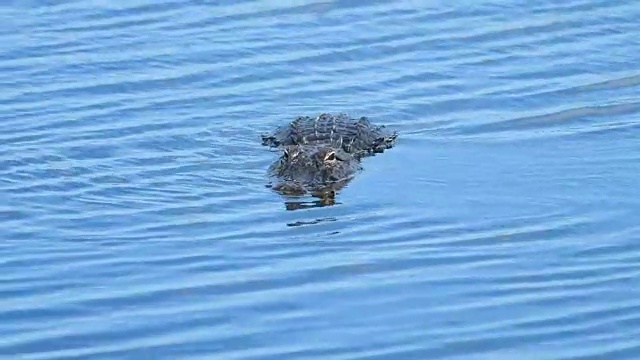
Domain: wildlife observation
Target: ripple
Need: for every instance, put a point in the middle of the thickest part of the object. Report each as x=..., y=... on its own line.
x=137, y=223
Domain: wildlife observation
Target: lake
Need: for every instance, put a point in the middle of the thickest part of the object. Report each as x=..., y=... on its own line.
x=137, y=223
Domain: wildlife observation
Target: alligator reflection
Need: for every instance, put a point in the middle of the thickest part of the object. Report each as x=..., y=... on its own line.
x=312, y=222
x=323, y=197
x=322, y=200
x=298, y=205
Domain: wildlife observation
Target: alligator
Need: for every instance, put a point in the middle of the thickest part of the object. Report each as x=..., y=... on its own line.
x=320, y=155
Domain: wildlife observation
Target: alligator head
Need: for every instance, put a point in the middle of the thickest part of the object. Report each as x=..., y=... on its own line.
x=318, y=169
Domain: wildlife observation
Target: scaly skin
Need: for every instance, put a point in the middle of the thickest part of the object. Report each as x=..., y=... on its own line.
x=355, y=136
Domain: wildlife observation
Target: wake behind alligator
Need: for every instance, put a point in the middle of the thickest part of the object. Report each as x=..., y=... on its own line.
x=321, y=155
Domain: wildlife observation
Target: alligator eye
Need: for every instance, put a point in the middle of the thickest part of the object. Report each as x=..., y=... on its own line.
x=331, y=156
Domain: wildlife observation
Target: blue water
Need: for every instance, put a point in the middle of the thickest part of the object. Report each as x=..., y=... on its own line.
x=136, y=223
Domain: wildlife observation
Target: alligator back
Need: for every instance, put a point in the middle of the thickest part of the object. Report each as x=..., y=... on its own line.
x=356, y=136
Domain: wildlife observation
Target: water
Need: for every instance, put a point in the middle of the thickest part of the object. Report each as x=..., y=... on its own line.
x=137, y=224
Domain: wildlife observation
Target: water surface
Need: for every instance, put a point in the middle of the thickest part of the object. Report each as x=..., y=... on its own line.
x=137, y=224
